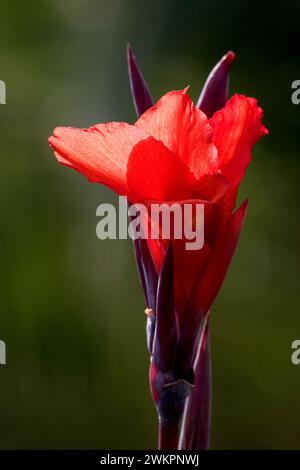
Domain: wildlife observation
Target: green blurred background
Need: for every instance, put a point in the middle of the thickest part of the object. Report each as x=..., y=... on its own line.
x=71, y=305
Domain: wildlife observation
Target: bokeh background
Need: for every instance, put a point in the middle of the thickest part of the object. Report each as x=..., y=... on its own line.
x=71, y=305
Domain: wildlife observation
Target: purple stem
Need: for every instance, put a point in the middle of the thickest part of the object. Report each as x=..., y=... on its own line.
x=168, y=435
x=195, y=432
x=165, y=338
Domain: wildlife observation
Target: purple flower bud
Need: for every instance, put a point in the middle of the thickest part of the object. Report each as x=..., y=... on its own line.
x=215, y=91
x=165, y=339
x=139, y=89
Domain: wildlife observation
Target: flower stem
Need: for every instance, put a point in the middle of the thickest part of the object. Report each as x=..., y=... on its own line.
x=170, y=408
x=195, y=433
x=169, y=435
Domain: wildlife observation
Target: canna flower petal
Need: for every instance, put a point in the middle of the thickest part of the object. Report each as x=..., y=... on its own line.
x=184, y=129
x=100, y=152
x=155, y=173
x=188, y=265
x=211, y=279
x=210, y=187
x=236, y=129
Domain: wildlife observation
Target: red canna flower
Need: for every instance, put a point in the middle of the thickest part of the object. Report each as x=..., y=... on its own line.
x=176, y=152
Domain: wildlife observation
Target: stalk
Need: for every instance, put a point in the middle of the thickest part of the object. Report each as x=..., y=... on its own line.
x=195, y=432
x=168, y=434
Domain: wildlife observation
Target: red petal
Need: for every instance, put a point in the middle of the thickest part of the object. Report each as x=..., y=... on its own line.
x=184, y=129
x=236, y=129
x=212, y=277
x=158, y=250
x=157, y=247
x=100, y=152
x=188, y=264
x=155, y=173
x=210, y=187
